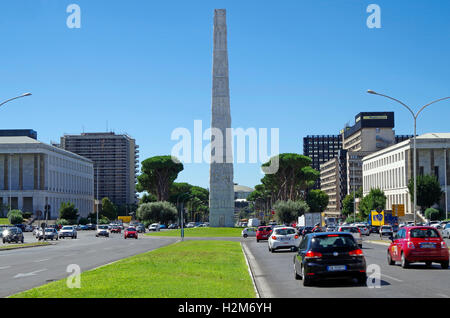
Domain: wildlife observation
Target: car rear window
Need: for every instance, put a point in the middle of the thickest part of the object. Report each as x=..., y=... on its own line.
x=332, y=242
x=349, y=229
x=423, y=233
x=264, y=228
x=284, y=231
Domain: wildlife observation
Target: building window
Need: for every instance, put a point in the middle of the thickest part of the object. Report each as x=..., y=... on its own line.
x=421, y=171
x=436, y=171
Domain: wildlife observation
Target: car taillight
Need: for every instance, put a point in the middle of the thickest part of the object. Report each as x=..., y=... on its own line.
x=411, y=245
x=296, y=237
x=357, y=252
x=312, y=254
x=443, y=245
x=274, y=237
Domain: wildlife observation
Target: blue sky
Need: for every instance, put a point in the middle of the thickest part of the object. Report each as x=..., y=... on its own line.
x=144, y=67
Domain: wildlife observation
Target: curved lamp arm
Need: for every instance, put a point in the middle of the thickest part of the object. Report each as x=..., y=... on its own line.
x=8, y=100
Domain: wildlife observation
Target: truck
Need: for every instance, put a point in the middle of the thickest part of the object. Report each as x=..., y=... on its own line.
x=310, y=219
x=253, y=223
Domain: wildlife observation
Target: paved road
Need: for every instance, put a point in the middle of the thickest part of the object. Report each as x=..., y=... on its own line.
x=27, y=268
x=275, y=277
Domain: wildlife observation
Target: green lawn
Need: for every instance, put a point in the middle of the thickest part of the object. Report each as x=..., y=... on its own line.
x=201, y=232
x=192, y=269
x=4, y=221
x=14, y=246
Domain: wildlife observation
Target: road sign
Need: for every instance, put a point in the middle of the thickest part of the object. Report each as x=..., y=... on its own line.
x=377, y=218
x=398, y=210
x=125, y=219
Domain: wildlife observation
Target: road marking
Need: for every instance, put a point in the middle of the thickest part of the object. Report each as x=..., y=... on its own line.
x=4, y=267
x=393, y=278
x=42, y=260
x=29, y=274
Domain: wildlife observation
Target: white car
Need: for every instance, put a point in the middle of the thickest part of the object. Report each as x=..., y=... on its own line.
x=249, y=231
x=354, y=231
x=282, y=238
x=446, y=231
x=386, y=230
x=102, y=230
x=364, y=229
x=68, y=231
x=154, y=227
x=190, y=225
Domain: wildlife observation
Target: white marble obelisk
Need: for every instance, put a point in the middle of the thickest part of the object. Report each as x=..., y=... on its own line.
x=221, y=191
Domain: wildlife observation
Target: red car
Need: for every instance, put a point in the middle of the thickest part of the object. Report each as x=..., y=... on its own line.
x=116, y=229
x=130, y=232
x=263, y=233
x=418, y=244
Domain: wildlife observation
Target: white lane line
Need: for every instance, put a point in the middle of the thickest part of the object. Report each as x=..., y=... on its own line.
x=4, y=267
x=29, y=274
x=42, y=260
x=393, y=278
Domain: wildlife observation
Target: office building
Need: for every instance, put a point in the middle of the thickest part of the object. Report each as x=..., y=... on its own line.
x=391, y=169
x=321, y=148
x=333, y=180
x=115, y=160
x=34, y=174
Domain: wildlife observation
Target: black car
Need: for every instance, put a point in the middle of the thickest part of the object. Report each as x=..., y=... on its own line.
x=12, y=234
x=307, y=230
x=329, y=255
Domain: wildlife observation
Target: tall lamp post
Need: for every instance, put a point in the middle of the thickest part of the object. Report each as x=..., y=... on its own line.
x=415, y=115
x=182, y=213
x=8, y=100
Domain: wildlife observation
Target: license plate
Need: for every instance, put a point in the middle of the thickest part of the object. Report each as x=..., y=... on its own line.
x=427, y=245
x=336, y=268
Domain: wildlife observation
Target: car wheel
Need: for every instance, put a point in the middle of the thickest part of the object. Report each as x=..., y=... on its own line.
x=362, y=279
x=296, y=275
x=444, y=265
x=389, y=259
x=257, y=241
x=21, y=241
x=245, y=235
x=405, y=263
x=4, y=241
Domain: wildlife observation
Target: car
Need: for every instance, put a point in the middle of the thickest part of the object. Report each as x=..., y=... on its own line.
x=307, y=230
x=84, y=228
x=140, y=228
x=364, y=229
x=2, y=228
x=190, y=224
x=115, y=229
x=91, y=226
x=102, y=230
x=154, y=227
x=263, y=233
x=28, y=228
x=418, y=244
x=249, y=231
x=130, y=232
x=173, y=226
x=12, y=234
x=68, y=231
x=354, y=231
x=446, y=231
x=162, y=226
x=329, y=255
x=36, y=231
x=331, y=228
x=49, y=234
x=282, y=238
x=386, y=230
x=374, y=229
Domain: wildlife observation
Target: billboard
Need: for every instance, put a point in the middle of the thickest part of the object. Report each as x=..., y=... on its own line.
x=125, y=219
x=377, y=218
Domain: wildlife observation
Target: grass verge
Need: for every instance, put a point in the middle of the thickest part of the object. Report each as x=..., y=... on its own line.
x=192, y=269
x=201, y=232
x=25, y=245
x=4, y=221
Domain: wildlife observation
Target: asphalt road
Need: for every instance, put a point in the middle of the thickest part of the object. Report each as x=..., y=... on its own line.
x=23, y=269
x=274, y=276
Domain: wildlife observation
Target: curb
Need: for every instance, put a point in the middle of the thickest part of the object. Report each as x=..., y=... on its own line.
x=250, y=271
x=379, y=243
x=22, y=247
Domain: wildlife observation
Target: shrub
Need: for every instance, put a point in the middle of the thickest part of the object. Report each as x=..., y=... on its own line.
x=83, y=221
x=15, y=217
x=432, y=214
x=103, y=220
x=62, y=222
x=161, y=212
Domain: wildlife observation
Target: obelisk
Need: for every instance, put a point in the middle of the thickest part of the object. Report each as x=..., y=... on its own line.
x=221, y=190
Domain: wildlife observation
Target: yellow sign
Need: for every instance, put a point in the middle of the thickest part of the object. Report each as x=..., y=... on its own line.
x=377, y=218
x=125, y=219
x=398, y=210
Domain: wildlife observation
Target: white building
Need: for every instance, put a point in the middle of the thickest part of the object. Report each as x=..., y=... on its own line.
x=34, y=174
x=390, y=169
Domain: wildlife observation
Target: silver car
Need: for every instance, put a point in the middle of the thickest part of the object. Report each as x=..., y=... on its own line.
x=446, y=231
x=68, y=231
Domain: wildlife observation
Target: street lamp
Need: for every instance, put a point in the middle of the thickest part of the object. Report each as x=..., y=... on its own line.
x=8, y=100
x=182, y=213
x=414, y=138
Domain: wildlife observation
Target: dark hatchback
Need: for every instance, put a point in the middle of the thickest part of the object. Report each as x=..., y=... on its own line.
x=12, y=234
x=329, y=255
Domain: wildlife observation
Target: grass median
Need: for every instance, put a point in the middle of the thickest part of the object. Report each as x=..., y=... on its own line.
x=193, y=269
x=201, y=232
x=25, y=245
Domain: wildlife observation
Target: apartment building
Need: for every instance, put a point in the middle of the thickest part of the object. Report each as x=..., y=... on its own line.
x=391, y=169
x=115, y=160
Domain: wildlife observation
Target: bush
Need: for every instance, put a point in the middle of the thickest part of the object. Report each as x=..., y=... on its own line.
x=288, y=211
x=62, y=222
x=103, y=220
x=351, y=220
x=432, y=214
x=161, y=212
x=27, y=215
x=15, y=217
x=83, y=221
